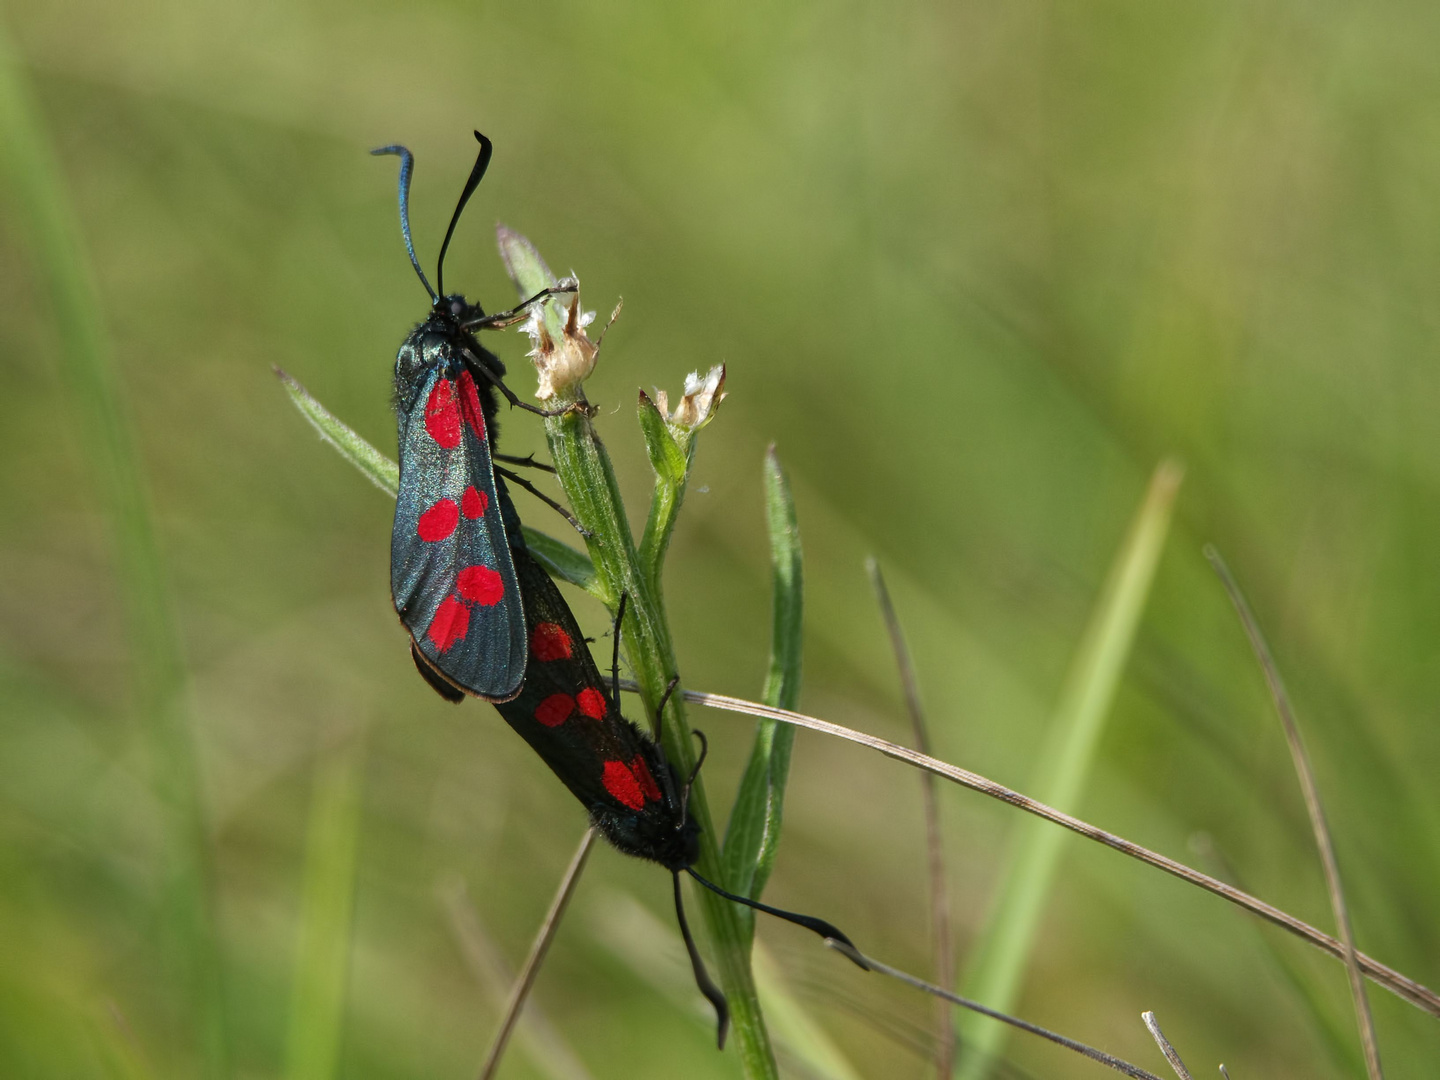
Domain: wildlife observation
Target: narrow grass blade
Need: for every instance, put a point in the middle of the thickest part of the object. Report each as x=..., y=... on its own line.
x=1301, y=757
x=322, y=962
x=998, y=969
x=935, y=848
x=753, y=835
x=377, y=468
x=1402, y=986
x=795, y=1029
x=157, y=661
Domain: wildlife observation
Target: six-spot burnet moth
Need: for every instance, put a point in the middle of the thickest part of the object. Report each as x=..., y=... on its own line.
x=451, y=574
x=484, y=617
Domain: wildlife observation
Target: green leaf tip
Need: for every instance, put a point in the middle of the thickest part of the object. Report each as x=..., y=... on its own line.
x=380, y=470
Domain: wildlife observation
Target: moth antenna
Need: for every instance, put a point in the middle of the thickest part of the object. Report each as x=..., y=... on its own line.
x=615, y=656
x=809, y=922
x=407, y=166
x=702, y=977
x=482, y=162
x=704, y=750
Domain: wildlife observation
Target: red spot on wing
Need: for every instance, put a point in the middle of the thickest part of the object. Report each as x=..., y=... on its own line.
x=591, y=702
x=470, y=405
x=439, y=522
x=473, y=503
x=549, y=641
x=442, y=414
x=480, y=585
x=452, y=619
x=555, y=710
x=620, y=782
x=647, y=783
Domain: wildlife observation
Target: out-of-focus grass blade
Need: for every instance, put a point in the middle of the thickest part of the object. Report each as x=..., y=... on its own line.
x=652, y=949
x=753, y=834
x=1331, y=1031
x=118, y=1054
x=559, y=559
x=322, y=963
x=1314, y=808
x=157, y=662
x=998, y=968
x=794, y=1028
x=380, y=470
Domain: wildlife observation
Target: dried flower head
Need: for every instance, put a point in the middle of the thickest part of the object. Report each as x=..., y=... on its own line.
x=700, y=402
x=561, y=363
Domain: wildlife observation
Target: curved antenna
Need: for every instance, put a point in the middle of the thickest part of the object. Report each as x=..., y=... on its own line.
x=809, y=922
x=407, y=165
x=702, y=977
x=481, y=164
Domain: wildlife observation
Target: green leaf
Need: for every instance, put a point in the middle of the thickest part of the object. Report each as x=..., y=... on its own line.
x=530, y=273
x=378, y=469
x=322, y=964
x=564, y=562
x=666, y=457
x=559, y=559
x=998, y=968
x=753, y=835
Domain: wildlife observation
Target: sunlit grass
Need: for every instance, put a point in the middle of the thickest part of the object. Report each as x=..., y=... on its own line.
x=974, y=271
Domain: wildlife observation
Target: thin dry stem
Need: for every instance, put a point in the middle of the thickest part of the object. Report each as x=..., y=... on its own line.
x=1118, y=1064
x=552, y=1055
x=1402, y=986
x=1165, y=1048
x=1311, y=790
x=521, y=990
x=939, y=894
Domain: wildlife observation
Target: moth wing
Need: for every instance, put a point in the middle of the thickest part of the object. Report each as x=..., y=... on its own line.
x=451, y=573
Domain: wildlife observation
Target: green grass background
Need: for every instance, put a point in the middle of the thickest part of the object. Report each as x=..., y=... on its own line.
x=974, y=268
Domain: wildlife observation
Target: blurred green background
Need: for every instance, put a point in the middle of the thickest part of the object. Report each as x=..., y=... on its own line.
x=974, y=268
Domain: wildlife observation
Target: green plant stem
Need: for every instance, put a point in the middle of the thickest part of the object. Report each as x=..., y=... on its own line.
x=584, y=470
x=157, y=662
x=586, y=474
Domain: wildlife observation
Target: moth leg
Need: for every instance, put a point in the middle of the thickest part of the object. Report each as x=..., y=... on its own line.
x=510, y=395
x=515, y=478
x=526, y=462
x=502, y=319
